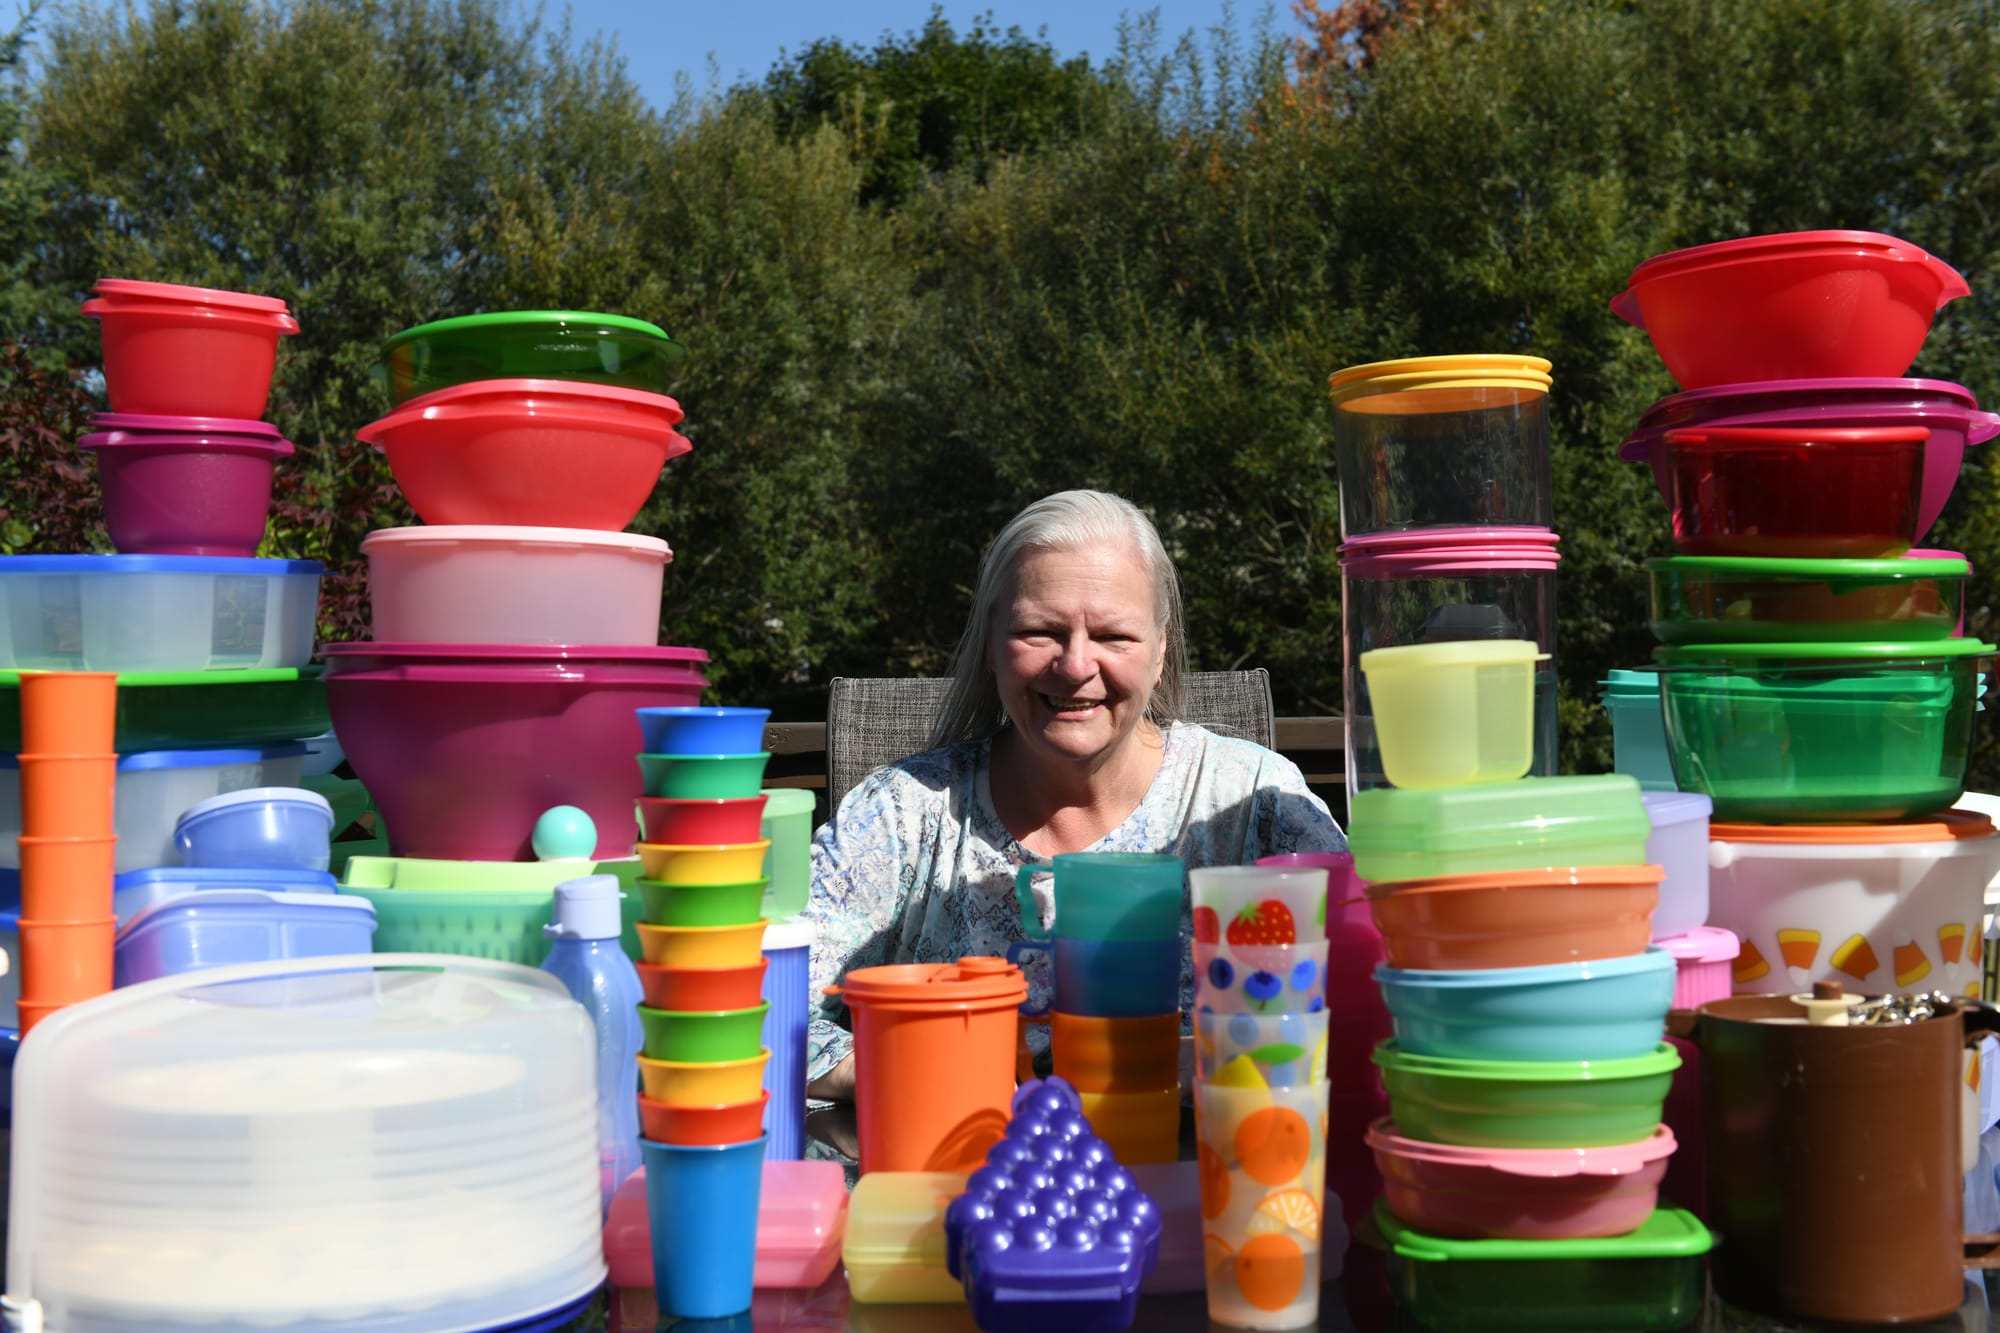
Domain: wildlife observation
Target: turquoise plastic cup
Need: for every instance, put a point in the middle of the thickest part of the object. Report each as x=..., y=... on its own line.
x=1106, y=896
x=701, y=1207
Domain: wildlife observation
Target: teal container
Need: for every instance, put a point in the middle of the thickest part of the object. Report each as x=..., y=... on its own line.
x=1638, y=732
x=1653, y=1278
x=1526, y=1103
x=1823, y=732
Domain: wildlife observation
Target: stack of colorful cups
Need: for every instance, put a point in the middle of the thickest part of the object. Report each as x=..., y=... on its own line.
x=1114, y=1024
x=702, y=1108
x=1261, y=1090
x=68, y=775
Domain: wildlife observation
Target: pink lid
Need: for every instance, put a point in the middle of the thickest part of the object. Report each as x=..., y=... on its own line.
x=409, y=650
x=140, y=422
x=120, y=430
x=1493, y=534
x=1703, y=944
x=1621, y=1159
x=801, y=1221
x=1454, y=559
x=131, y=289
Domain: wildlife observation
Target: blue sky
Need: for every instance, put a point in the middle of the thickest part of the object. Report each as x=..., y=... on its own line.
x=662, y=38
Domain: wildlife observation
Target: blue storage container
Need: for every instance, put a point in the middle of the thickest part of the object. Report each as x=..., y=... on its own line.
x=137, y=889
x=279, y=828
x=216, y=927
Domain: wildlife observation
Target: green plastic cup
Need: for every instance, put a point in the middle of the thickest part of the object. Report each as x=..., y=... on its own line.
x=788, y=823
x=703, y=777
x=1529, y=1103
x=701, y=904
x=702, y=1038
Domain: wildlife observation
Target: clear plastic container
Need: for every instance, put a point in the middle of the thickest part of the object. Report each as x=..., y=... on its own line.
x=137, y=889
x=154, y=787
x=155, y=612
x=1532, y=824
x=1679, y=846
x=1453, y=714
x=1445, y=586
x=373, y=1144
x=895, y=1246
x=1438, y=441
x=464, y=584
x=219, y=927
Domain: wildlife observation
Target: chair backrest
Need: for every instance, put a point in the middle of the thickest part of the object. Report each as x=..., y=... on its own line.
x=872, y=721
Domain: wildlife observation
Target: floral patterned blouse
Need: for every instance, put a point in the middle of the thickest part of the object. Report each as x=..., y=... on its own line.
x=915, y=866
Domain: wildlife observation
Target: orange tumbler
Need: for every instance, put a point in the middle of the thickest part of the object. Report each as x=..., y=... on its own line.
x=1116, y=1054
x=66, y=961
x=67, y=795
x=933, y=1060
x=69, y=712
x=67, y=879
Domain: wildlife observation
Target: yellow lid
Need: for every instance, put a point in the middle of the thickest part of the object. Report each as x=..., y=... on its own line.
x=1420, y=385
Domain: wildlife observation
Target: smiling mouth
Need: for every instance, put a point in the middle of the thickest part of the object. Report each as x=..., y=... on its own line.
x=1071, y=706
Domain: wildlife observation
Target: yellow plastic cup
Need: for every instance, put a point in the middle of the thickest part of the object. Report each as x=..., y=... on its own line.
x=702, y=946
x=1454, y=714
x=698, y=864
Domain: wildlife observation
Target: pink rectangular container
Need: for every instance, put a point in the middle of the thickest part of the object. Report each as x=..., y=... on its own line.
x=801, y=1221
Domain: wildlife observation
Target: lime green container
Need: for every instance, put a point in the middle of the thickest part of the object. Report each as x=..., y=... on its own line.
x=1529, y=824
x=1725, y=599
x=484, y=909
x=702, y=1038
x=1526, y=1104
x=701, y=904
x=179, y=710
x=1788, y=733
x=703, y=777
x=788, y=823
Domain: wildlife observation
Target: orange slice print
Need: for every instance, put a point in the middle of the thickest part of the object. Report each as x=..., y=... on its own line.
x=1288, y=1210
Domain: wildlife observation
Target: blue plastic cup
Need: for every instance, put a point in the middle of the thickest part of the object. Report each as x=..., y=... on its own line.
x=1111, y=978
x=788, y=988
x=701, y=1204
x=696, y=730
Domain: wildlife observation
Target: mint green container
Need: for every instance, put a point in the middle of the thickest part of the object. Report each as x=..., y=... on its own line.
x=484, y=909
x=1526, y=1104
x=1528, y=824
x=1653, y=1278
x=788, y=823
x=703, y=777
x=1791, y=733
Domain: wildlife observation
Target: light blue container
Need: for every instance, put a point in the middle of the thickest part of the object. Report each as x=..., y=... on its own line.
x=585, y=955
x=1605, y=1009
x=702, y=730
x=137, y=889
x=217, y=927
x=787, y=986
x=701, y=1206
x=259, y=828
x=1638, y=729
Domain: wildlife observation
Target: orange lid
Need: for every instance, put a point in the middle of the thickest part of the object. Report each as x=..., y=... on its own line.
x=1949, y=826
x=1585, y=877
x=969, y=979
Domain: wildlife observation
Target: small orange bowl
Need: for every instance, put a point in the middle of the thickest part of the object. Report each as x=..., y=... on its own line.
x=693, y=989
x=702, y=1126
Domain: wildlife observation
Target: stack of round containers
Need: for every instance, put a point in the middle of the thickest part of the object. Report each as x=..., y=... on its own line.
x=1815, y=684
x=1528, y=1072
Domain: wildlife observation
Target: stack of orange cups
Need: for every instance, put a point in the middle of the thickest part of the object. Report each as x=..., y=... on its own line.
x=69, y=771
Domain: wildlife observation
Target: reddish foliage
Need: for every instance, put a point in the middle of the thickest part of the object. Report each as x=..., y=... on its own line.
x=1355, y=33
x=48, y=492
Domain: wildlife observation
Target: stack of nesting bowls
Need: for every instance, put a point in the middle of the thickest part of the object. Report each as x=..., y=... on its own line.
x=1528, y=1071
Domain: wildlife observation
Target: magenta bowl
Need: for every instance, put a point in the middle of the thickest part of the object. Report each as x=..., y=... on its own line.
x=185, y=485
x=463, y=746
x=1520, y=1193
x=1947, y=410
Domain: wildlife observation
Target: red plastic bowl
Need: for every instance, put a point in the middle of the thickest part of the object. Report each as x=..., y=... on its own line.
x=1805, y=493
x=185, y=486
x=547, y=453
x=693, y=990
x=188, y=351
x=463, y=746
x=1797, y=305
x=702, y=1126
x=686, y=823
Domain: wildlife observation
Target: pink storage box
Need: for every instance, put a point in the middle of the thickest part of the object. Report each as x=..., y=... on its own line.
x=801, y=1221
x=1702, y=959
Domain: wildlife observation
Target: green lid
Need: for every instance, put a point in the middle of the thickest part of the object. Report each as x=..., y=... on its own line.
x=514, y=321
x=1540, y=812
x=132, y=680
x=1670, y=1233
x=1660, y=1060
x=1828, y=571
x=1706, y=654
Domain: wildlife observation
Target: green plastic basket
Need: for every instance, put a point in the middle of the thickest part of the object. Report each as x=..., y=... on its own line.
x=505, y=926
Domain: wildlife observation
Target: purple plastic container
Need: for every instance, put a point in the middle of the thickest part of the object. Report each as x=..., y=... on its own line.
x=1947, y=410
x=463, y=746
x=185, y=485
x=1078, y=1238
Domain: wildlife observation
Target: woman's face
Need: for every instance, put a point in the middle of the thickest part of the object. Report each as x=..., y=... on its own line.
x=1077, y=650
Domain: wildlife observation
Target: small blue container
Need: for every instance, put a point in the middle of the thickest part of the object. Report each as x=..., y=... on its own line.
x=261, y=828
x=701, y=1207
x=702, y=730
x=1605, y=1009
x=137, y=889
x=217, y=927
x=788, y=989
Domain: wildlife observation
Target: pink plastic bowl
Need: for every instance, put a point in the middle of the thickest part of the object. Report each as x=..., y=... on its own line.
x=185, y=485
x=1520, y=1193
x=188, y=351
x=463, y=746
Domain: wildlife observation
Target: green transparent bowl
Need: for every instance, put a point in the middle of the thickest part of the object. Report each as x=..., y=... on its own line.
x=703, y=1038
x=1724, y=599
x=1526, y=1104
x=701, y=904
x=578, y=345
x=700, y=777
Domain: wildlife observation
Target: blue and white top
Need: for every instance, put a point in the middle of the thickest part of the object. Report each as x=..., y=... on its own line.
x=916, y=867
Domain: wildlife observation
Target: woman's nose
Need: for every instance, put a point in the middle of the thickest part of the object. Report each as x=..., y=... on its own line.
x=1079, y=658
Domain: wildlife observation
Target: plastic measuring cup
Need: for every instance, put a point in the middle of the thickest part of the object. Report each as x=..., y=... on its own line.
x=1106, y=896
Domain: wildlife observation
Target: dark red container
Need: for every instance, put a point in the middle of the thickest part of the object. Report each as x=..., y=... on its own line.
x=1803, y=493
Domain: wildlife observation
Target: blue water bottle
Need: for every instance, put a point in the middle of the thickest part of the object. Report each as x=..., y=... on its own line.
x=587, y=959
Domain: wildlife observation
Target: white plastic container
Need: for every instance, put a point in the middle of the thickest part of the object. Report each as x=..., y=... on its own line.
x=155, y=612
x=154, y=786
x=515, y=585
x=1883, y=908
x=1678, y=845
x=369, y=1144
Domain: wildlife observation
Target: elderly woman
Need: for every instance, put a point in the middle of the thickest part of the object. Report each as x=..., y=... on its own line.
x=1058, y=734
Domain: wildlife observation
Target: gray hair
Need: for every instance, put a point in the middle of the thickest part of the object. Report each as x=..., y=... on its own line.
x=1065, y=521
